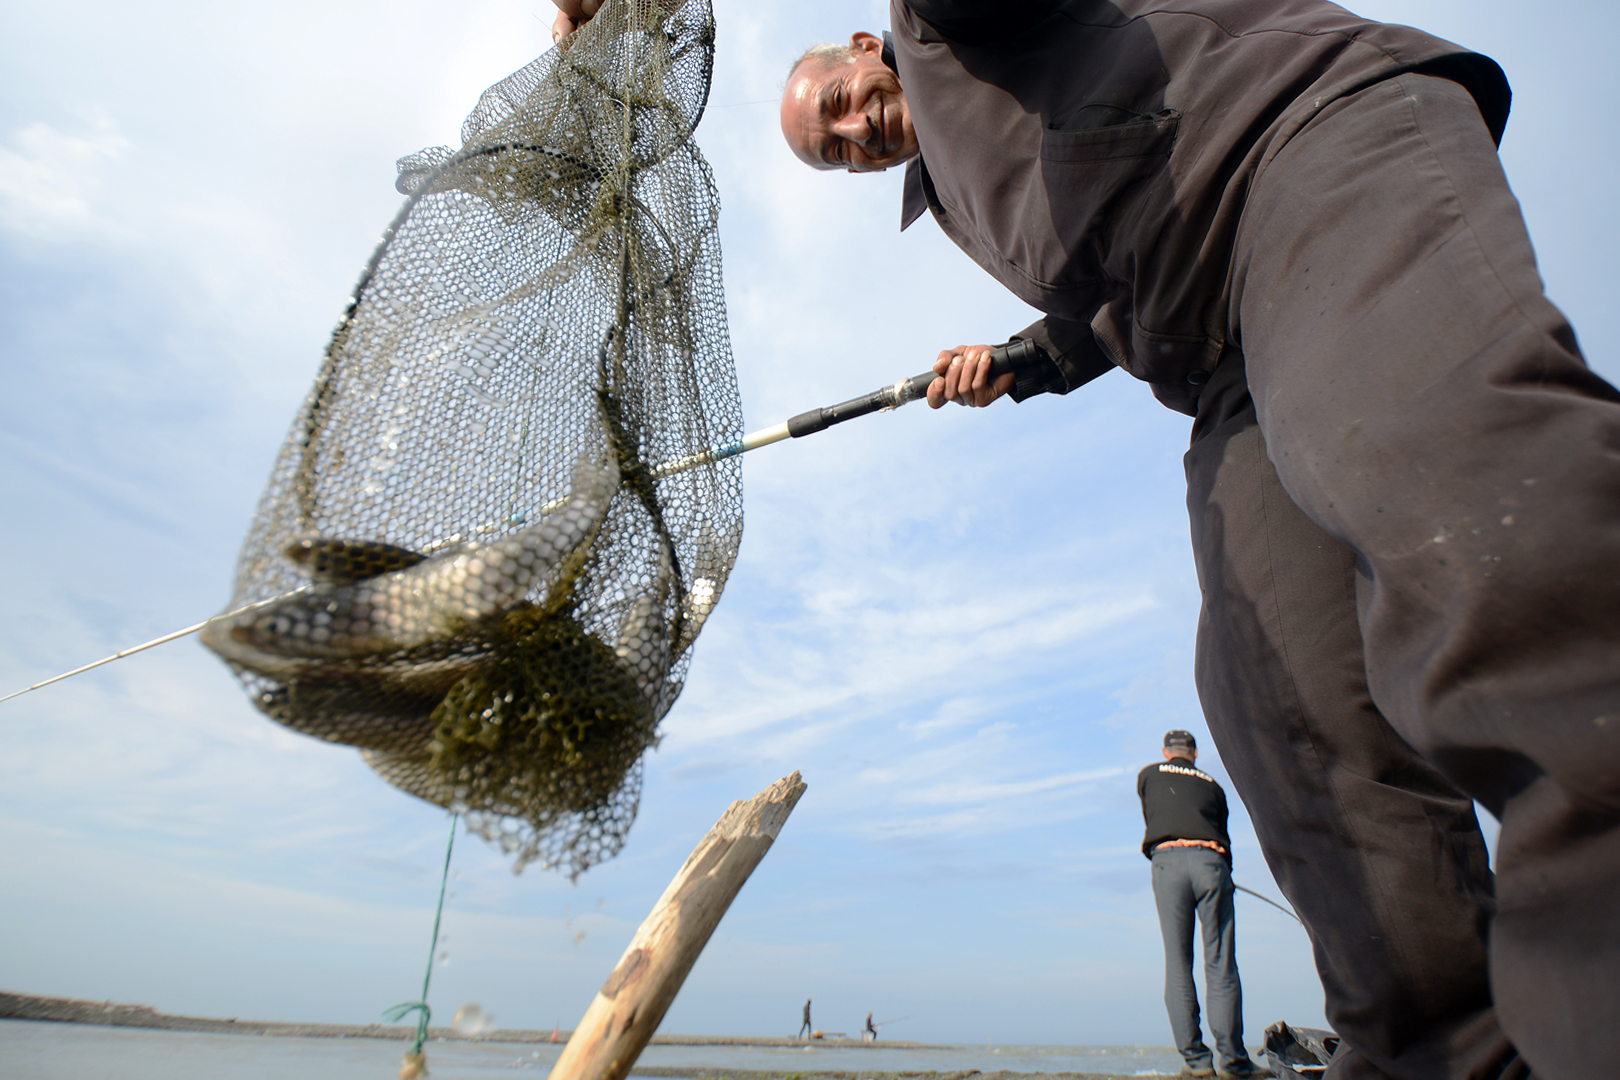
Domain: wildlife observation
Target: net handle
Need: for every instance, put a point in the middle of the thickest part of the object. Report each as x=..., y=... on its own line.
x=1017, y=356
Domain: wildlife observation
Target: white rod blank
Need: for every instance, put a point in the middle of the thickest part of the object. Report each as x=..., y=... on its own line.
x=154, y=642
x=752, y=441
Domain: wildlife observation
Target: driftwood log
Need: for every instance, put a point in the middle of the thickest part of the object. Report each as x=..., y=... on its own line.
x=631, y=1004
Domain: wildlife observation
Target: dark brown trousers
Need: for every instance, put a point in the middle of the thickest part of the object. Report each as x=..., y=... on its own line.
x=1404, y=487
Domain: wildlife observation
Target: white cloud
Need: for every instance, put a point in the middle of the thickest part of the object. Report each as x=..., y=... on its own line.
x=951, y=714
x=49, y=179
x=975, y=792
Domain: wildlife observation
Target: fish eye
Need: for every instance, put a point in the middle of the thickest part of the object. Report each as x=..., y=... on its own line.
x=275, y=626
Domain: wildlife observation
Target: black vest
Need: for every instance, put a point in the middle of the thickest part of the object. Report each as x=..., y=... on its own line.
x=1181, y=802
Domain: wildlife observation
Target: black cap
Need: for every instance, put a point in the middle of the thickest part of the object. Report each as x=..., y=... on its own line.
x=1180, y=738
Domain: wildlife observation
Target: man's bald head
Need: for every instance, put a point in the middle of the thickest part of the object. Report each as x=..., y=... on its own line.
x=830, y=52
x=844, y=109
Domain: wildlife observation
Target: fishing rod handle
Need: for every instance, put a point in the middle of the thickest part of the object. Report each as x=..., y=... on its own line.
x=1014, y=356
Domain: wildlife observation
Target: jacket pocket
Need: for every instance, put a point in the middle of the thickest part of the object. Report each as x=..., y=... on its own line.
x=1144, y=137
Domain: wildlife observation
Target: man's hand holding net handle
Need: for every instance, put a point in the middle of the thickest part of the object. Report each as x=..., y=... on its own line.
x=571, y=15
x=971, y=374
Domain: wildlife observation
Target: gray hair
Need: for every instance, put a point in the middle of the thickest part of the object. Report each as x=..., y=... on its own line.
x=826, y=53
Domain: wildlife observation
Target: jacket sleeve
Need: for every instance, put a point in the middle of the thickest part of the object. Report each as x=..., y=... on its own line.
x=1075, y=358
x=979, y=22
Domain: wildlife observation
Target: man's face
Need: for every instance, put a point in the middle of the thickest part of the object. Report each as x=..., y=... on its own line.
x=848, y=115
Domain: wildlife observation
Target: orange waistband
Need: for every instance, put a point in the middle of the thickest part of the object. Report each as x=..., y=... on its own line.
x=1212, y=845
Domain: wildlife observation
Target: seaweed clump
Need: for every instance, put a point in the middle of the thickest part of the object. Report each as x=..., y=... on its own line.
x=551, y=726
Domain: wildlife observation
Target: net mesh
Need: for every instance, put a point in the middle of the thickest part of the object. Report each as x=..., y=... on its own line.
x=467, y=560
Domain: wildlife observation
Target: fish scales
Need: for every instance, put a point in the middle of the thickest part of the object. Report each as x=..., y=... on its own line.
x=409, y=608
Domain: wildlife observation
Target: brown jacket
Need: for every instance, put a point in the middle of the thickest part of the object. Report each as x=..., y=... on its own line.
x=1094, y=157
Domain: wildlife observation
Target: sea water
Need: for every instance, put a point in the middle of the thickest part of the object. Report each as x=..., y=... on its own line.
x=37, y=1050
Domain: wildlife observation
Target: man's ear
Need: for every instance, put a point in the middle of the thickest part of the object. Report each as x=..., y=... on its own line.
x=862, y=42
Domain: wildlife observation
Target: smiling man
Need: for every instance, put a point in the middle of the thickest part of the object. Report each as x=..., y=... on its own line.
x=1291, y=224
x=843, y=109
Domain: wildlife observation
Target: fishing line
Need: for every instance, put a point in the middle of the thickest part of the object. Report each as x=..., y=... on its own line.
x=1270, y=901
x=413, y=1057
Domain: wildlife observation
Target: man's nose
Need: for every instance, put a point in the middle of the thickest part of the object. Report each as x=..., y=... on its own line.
x=856, y=127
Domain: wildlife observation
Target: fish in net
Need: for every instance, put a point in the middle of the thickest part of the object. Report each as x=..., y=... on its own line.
x=474, y=559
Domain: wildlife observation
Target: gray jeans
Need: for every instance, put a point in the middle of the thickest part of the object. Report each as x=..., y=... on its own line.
x=1189, y=881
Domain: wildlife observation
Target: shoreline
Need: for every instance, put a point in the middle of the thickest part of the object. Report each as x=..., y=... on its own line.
x=31, y=1007
x=15, y=1006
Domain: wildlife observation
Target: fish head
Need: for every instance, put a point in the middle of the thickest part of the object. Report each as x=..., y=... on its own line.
x=273, y=630
x=278, y=641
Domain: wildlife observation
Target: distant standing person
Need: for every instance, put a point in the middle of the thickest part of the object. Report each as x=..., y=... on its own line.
x=1185, y=812
x=804, y=1028
x=871, y=1030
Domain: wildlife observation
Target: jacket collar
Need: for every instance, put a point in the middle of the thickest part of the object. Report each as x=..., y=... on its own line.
x=917, y=193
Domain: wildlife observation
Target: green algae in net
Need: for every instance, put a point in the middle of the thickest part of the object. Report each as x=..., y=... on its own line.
x=467, y=562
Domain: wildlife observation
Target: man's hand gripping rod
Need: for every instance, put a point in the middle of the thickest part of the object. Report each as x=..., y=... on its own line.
x=1012, y=357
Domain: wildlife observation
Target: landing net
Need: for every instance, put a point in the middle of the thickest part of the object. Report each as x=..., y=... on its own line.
x=492, y=592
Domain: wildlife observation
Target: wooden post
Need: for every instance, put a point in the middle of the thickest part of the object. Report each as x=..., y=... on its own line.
x=631, y=1004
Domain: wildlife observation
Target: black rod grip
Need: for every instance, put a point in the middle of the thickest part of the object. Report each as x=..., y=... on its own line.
x=1013, y=356
x=808, y=423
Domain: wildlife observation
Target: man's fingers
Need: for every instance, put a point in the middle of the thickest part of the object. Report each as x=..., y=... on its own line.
x=965, y=378
x=978, y=359
x=578, y=10
x=976, y=381
x=571, y=15
x=936, y=389
x=959, y=380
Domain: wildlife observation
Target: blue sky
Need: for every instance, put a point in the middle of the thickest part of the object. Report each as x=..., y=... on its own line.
x=967, y=630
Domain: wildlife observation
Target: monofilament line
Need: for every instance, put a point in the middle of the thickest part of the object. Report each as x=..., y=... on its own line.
x=1270, y=901
x=423, y=1012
